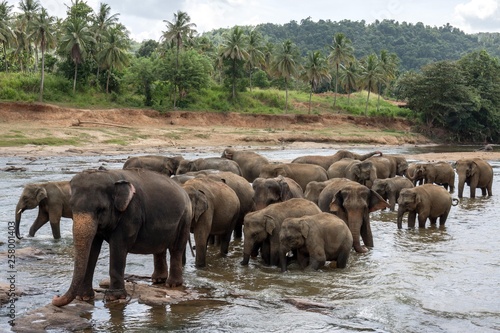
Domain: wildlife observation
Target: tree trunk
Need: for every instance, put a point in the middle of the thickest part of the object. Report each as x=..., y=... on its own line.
x=107, y=82
x=286, y=96
x=367, y=99
x=310, y=97
x=74, y=78
x=336, y=85
x=43, y=74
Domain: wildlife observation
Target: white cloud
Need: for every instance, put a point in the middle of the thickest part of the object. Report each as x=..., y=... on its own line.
x=478, y=15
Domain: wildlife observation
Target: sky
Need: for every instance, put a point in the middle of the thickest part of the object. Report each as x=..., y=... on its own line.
x=145, y=18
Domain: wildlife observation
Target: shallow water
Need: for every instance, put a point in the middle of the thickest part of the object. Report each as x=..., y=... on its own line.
x=430, y=280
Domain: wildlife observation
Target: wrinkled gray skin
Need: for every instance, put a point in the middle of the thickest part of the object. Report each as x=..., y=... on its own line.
x=263, y=227
x=216, y=208
x=390, y=188
x=317, y=239
x=301, y=173
x=440, y=173
x=326, y=161
x=384, y=168
x=363, y=172
x=272, y=190
x=250, y=162
x=135, y=211
x=52, y=200
x=411, y=175
x=162, y=164
x=353, y=203
x=428, y=201
x=313, y=189
x=399, y=164
x=476, y=173
x=216, y=163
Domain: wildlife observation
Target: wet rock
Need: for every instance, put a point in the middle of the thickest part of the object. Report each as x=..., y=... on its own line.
x=26, y=253
x=6, y=293
x=13, y=168
x=304, y=304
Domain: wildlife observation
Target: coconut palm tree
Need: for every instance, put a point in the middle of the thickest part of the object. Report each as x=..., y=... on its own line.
x=113, y=53
x=286, y=65
x=75, y=42
x=234, y=49
x=370, y=75
x=341, y=53
x=388, y=63
x=28, y=10
x=43, y=34
x=7, y=36
x=315, y=71
x=255, y=54
x=102, y=21
x=349, y=76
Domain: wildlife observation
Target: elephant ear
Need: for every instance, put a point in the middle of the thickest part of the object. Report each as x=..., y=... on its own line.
x=270, y=224
x=473, y=168
x=124, y=192
x=304, y=228
x=285, y=193
x=337, y=203
x=281, y=172
x=376, y=202
x=41, y=193
x=169, y=168
x=200, y=204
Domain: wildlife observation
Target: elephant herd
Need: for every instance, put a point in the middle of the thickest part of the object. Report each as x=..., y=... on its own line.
x=313, y=210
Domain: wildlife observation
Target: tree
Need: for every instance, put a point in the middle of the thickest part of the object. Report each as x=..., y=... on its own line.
x=29, y=8
x=255, y=54
x=178, y=30
x=349, y=76
x=113, y=53
x=102, y=22
x=315, y=71
x=286, y=65
x=370, y=75
x=388, y=63
x=75, y=42
x=341, y=52
x=6, y=34
x=43, y=34
x=234, y=49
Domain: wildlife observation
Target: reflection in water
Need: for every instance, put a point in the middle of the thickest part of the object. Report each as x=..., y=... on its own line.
x=435, y=279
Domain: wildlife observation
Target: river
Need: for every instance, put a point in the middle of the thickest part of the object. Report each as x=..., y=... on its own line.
x=413, y=280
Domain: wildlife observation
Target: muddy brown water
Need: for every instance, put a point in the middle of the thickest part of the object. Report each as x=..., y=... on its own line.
x=420, y=280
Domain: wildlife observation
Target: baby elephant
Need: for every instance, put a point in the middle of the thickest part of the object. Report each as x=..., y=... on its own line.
x=317, y=239
x=389, y=188
x=429, y=201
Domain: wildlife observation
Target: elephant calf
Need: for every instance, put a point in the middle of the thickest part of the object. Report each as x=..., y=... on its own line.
x=429, y=201
x=390, y=188
x=52, y=200
x=317, y=239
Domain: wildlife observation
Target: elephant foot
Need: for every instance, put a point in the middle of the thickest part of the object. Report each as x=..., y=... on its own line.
x=85, y=298
x=172, y=283
x=115, y=294
x=361, y=249
x=159, y=280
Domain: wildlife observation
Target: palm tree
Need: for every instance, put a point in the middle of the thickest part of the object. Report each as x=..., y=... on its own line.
x=234, y=48
x=103, y=20
x=21, y=51
x=76, y=41
x=388, y=63
x=370, y=75
x=29, y=8
x=7, y=36
x=349, y=77
x=286, y=66
x=44, y=35
x=315, y=71
x=178, y=30
x=255, y=54
x=114, y=50
x=341, y=52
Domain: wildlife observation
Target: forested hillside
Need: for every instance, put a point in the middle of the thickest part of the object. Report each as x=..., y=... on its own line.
x=415, y=44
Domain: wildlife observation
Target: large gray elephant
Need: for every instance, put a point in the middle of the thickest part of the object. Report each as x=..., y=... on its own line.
x=263, y=227
x=135, y=211
x=415, y=178
x=162, y=164
x=52, y=200
x=326, y=161
x=384, y=167
x=440, y=173
x=317, y=239
x=216, y=208
x=272, y=190
x=353, y=203
x=389, y=188
x=398, y=164
x=216, y=163
x=363, y=172
x=301, y=173
x=429, y=201
x=477, y=173
x=250, y=162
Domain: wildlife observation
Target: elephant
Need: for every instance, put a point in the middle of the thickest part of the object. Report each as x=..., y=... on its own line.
x=216, y=163
x=363, y=172
x=314, y=188
x=301, y=173
x=250, y=162
x=440, y=173
x=216, y=208
x=162, y=164
x=317, y=239
x=411, y=175
x=352, y=202
x=52, y=199
x=429, y=201
x=263, y=227
x=399, y=164
x=326, y=161
x=271, y=190
x=477, y=173
x=389, y=188
x=136, y=211
x=384, y=168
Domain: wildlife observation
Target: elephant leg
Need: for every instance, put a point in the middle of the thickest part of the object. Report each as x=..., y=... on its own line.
x=412, y=215
x=85, y=291
x=265, y=252
x=225, y=239
x=178, y=254
x=421, y=220
x=41, y=219
x=472, y=191
x=302, y=259
x=433, y=220
x=483, y=191
x=201, y=239
x=342, y=258
x=443, y=218
x=117, y=262
x=160, y=273
x=55, y=222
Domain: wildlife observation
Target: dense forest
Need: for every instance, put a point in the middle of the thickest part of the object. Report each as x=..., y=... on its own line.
x=450, y=79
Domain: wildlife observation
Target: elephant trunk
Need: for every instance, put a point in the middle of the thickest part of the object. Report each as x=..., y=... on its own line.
x=84, y=230
x=401, y=212
x=368, y=155
x=461, y=184
x=19, y=211
x=355, y=220
x=247, y=250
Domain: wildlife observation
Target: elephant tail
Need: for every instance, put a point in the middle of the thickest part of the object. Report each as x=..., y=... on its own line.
x=454, y=201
